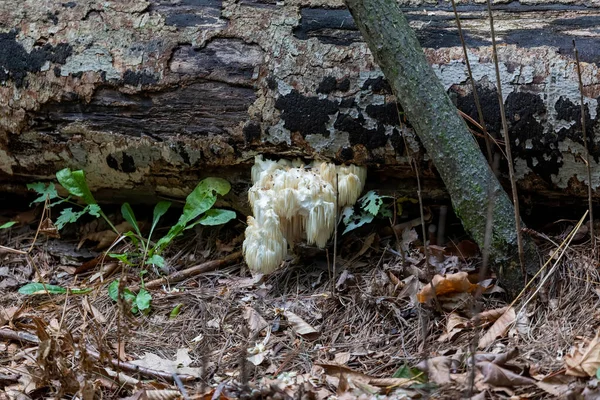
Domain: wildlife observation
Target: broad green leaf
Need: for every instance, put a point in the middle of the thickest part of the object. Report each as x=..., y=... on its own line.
x=168, y=238
x=597, y=371
x=68, y=216
x=7, y=224
x=357, y=220
x=203, y=197
x=41, y=288
x=217, y=217
x=127, y=294
x=175, y=311
x=156, y=259
x=129, y=216
x=45, y=191
x=93, y=210
x=143, y=299
x=159, y=210
x=371, y=202
x=75, y=183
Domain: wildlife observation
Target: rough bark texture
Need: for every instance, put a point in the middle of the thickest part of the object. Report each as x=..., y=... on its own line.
x=148, y=96
x=444, y=134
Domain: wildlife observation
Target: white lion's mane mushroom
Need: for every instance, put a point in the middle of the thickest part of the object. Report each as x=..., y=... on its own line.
x=290, y=202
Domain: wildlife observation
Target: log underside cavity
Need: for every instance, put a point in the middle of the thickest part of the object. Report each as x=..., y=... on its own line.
x=150, y=96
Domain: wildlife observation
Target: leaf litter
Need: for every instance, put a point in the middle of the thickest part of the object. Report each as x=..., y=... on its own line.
x=288, y=335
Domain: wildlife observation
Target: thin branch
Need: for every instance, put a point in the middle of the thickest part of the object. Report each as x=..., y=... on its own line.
x=511, y=168
x=488, y=144
x=587, y=152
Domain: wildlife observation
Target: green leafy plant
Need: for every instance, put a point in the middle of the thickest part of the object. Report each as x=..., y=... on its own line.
x=197, y=210
x=140, y=302
x=371, y=205
x=75, y=184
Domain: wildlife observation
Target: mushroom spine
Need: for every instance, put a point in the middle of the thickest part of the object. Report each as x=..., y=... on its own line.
x=290, y=202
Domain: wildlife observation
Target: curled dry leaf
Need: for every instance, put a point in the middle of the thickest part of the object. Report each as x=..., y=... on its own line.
x=444, y=285
x=301, y=327
x=584, y=361
x=359, y=378
x=495, y=375
x=454, y=325
x=498, y=329
x=255, y=321
x=437, y=368
x=490, y=315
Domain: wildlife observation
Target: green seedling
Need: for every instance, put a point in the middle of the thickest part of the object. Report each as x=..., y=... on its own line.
x=74, y=182
x=41, y=288
x=371, y=205
x=175, y=311
x=140, y=302
x=8, y=224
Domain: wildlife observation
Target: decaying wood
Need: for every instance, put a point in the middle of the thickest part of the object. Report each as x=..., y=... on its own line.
x=149, y=96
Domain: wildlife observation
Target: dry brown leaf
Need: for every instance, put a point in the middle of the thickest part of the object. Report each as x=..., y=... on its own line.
x=444, y=285
x=558, y=385
x=180, y=365
x=341, y=358
x=255, y=321
x=498, y=329
x=300, y=326
x=490, y=315
x=454, y=325
x=8, y=314
x=107, y=237
x=584, y=361
x=349, y=374
x=437, y=368
x=48, y=228
x=98, y=316
x=495, y=375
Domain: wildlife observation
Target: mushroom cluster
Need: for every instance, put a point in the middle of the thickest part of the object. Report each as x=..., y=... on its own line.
x=291, y=202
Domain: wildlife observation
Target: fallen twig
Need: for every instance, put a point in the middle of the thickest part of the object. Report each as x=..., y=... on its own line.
x=193, y=271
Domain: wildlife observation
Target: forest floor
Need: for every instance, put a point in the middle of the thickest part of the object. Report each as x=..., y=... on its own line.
x=372, y=328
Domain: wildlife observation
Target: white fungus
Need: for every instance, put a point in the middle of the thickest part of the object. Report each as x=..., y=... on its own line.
x=291, y=202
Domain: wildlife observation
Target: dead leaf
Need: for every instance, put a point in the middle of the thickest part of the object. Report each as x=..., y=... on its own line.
x=584, y=361
x=444, y=285
x=454, y=325
x=98, y=316
x=490, y=315
x=180, y=365
x=107, y=237
x=352, y=376
x=557, y=386
x=437, y=368
x=300, y=326
x=341, y=358
x=8, y=314
x=495, y=375
x=255, y=321
x=48, y=228
x=498, y=329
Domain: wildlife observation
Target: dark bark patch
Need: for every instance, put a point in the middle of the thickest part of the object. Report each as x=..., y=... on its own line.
x=384, y=113
x=200, y=109
x=377, y=85
x=15, y=62
x=69, y=4
x=252, y=131
x=307, y=115
x=345, y=154
x=112, y=162
x=128, y=164
x=143, y=78
x=187, y=13
x=488, y=98
x=570, y=112
x=330, y=84
x=225, y=60
x=528, y=141
x=359, y=134
x=328, y=26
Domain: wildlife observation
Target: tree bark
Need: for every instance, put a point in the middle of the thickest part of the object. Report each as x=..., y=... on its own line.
x=456, y=155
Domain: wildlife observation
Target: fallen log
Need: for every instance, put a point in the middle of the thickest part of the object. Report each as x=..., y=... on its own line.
x=150, y=96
